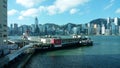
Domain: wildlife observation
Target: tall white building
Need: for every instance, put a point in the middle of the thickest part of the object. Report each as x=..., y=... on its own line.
x=98, y=29
x=88, y=25
x=108, y=20
x=108, y=23
x=3, y=21
x=119, y=30
x=95, y=29
x=103, y=29
x=116, y=21
x=116, y=25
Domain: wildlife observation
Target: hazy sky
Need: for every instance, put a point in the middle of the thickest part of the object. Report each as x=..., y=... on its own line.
x=61, y=11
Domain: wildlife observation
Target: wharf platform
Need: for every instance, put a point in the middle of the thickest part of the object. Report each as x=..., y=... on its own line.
x=43, y=44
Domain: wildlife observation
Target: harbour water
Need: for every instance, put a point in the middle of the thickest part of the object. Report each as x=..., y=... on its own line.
x=105, y=53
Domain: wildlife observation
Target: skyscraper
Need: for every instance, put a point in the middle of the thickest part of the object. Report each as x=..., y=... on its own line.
x=36, y=21
x=88, y=25
x=109, y=28
x=116, y=25
x=95, y=29
x=3, y=21
x=16, y=31
x=103, y=29
x=37, y=31
x=116, y=21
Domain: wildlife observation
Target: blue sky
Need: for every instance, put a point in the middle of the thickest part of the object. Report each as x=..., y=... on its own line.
x=61, y=11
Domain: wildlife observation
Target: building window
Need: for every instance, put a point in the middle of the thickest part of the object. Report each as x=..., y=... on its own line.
x=5, y=21
x=5, y=25
x=0, y=26
x=4, y=1
x=4, y=6
x=0, y=34
x=5, y=15
x=5, y=30
x=4, y=35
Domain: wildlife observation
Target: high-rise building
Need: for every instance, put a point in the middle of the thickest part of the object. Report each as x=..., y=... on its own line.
x=11, y=29
x=109, y=26
x=36, y=21
x=95, y=29
x=69, y=28
x=113, y=28
x=37, y=31
x=11, y=26
x=116, y=20
x=3, y=21
x=91, y=29
x=118, y=30
x=88, y=25
x=109, y=22
x=103, y=29
x=98, y=29
x=33, y=27
x=16, y=31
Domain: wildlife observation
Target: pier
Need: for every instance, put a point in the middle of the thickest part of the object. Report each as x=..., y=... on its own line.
x=42, y=44
x=6, y=59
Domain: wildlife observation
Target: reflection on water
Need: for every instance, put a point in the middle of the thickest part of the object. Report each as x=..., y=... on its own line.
x=105, y=53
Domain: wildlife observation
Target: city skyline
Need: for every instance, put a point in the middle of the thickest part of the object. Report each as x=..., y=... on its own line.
x=61, y=11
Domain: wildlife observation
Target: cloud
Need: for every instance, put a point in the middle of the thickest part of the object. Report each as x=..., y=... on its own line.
x=108, y=6
x=42, y=8
x=51, y=10
x=117, y=11
x=28, y=3
x=61, y=6
x=12, y=12
x=32, y=12
x=111, y=3
x=20, y=18
x=64, y=5
x=73, y=11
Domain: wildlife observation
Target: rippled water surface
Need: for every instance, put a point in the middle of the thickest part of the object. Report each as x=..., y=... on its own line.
x=105, y=53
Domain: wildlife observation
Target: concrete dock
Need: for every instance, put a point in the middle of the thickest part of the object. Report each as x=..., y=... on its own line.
x=6, y=59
